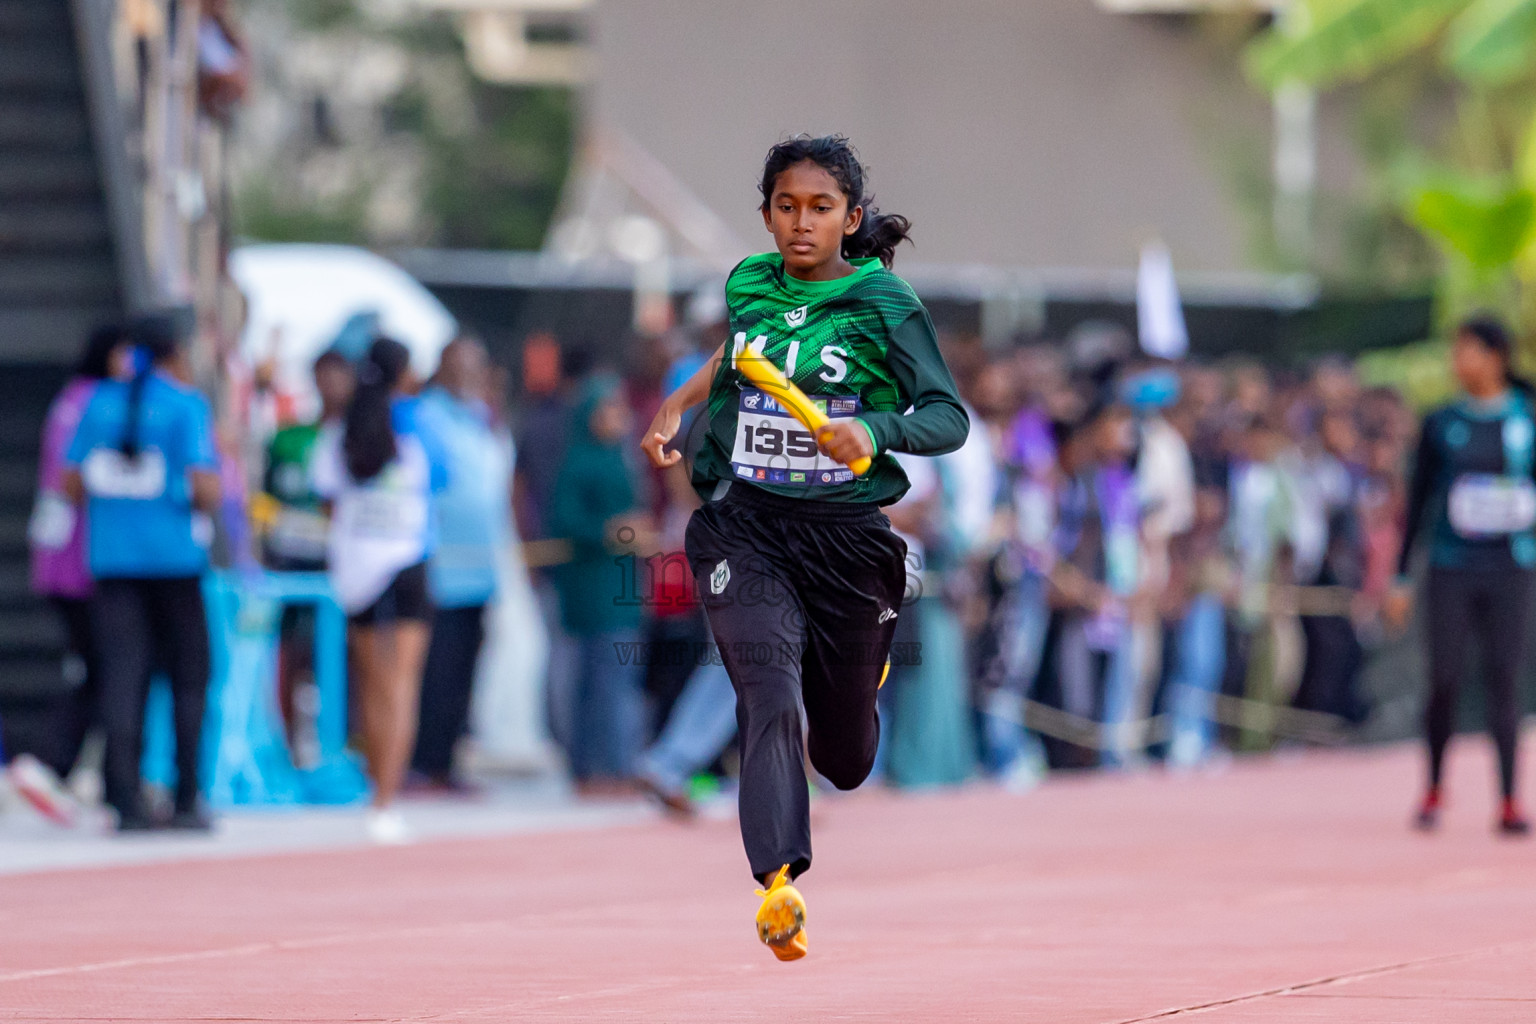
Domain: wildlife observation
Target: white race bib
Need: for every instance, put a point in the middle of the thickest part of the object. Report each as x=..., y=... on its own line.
x=387, y=515
x=108, y=473
x=202, y=530
x=1485, y=505
x=299, y=534
x=52, y=523
x=774, y=447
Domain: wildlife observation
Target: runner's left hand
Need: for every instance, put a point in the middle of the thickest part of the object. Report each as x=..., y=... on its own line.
x=845, y=440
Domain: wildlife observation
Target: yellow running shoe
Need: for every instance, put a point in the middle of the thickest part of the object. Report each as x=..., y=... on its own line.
x=781, y=918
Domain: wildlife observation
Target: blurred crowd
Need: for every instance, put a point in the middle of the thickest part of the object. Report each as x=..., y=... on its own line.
x=1130, y=559
x=1147, y=559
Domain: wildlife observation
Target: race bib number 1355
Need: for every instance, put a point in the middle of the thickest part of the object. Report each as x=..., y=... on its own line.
x=773, y=447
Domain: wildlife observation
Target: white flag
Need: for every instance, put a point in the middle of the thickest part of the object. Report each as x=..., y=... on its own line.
x=1159, y=317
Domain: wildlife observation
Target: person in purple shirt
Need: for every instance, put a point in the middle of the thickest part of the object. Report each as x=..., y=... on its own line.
x=1094, y=576
x=57, y=538
x=1018, y=583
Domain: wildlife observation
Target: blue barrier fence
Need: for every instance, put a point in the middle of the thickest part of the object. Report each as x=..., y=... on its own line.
x=245, y=757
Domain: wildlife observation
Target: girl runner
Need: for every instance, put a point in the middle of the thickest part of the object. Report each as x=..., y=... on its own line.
x=1473, y=492
x=799, y=572
x=376, y=470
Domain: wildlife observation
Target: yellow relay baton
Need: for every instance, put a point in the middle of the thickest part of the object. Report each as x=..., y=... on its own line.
x=755, y=367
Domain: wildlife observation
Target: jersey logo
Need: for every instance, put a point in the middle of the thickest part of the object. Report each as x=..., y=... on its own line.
x=720, y=577
x=887, y=615
x=796, y=317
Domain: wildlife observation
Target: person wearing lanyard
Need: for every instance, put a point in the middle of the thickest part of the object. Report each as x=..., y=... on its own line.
x=1473, y=494
x=474, y=515
x=375, y=471
x=143, y=464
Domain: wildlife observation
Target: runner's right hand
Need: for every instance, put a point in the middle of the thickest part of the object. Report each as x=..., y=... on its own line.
x=662, y=429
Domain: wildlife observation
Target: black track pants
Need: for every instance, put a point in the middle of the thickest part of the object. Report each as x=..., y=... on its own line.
x=139, y=625
x=79, y=710
x=1489, y=606
x=447, y=683
x=802, y=598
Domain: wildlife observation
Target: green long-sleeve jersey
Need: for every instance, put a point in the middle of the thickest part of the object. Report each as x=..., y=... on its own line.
x=860, y=346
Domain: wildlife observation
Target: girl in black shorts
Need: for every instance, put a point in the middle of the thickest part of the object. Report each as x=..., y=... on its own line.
x=375, y=472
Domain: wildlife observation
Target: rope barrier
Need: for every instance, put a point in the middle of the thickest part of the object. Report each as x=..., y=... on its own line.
x=1139, y=734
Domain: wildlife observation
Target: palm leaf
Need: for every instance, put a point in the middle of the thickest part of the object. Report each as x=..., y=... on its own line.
x=1347, y=40
x=1493, y=41
x=1484, y=223
x=1525, y=157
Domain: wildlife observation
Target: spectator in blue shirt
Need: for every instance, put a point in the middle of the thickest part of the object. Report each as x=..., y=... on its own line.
x=142, y=461
x=473, y=512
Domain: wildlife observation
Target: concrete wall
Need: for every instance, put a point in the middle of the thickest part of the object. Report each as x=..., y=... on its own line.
x=1043, y=133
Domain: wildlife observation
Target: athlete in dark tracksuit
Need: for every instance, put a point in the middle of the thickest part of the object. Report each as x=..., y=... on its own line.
x=799, y=571
x=797, y=568
x=1473, y=496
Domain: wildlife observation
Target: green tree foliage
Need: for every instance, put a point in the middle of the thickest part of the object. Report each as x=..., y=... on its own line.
x=1472, y=193
x=1485, y=223
x=497, y=187
x=484, y=163
x=266, y=213
x=1329, y=42
x=321, y=14
x=1416, y=371
x=1493, y=42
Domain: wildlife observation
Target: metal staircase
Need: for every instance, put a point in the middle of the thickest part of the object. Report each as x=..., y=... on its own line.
x=66, y=208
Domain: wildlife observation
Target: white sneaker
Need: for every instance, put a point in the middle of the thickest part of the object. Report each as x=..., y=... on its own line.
x=386, y=826
x=1024, y=774
x=43, y=790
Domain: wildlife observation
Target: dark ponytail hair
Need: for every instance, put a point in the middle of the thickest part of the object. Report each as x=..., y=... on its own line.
x=156, y=337
x=96, y=360
x=368, y=437
x=879, y=233
x=1491, y=333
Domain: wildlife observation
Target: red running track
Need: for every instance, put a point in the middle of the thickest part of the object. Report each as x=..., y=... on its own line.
x=1283, y=890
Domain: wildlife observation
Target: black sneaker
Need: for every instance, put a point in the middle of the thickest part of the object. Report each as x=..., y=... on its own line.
x=137, y=822
x=1514, y=826
x=194, y=820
